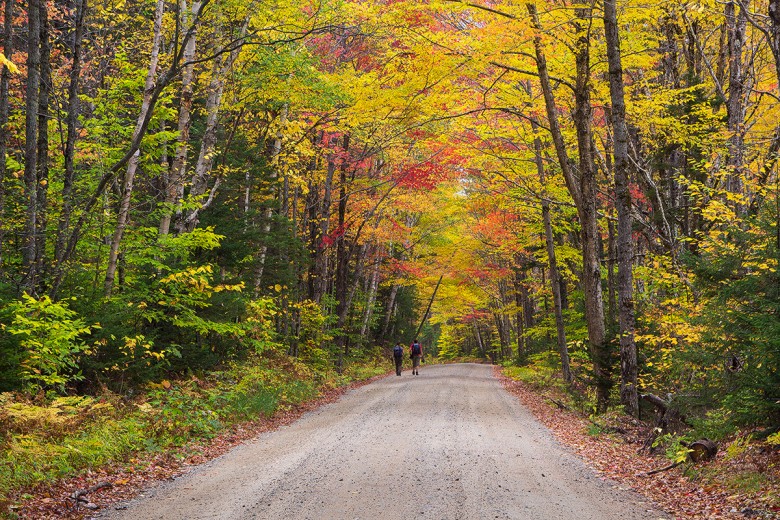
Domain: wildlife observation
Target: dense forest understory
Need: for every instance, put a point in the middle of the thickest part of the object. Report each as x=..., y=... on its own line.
x=215, y=209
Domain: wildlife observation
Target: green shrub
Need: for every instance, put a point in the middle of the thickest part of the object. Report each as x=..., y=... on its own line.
x=50, y=339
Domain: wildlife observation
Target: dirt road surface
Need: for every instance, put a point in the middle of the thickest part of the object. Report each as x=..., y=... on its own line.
x=450, y=443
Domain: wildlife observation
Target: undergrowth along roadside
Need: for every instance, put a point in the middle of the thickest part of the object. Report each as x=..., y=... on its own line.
x=743, y=481
x=44, y=442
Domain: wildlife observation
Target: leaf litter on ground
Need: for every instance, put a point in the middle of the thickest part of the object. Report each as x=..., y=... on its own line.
x=686, y=491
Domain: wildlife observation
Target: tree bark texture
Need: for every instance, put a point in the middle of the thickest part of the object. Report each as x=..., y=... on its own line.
x=591, y=262
x=72, y=117
x=42, y=181
x=611, y=282
x=625, y=242
x=5, y=75
x=33, y=84
x=736, y=104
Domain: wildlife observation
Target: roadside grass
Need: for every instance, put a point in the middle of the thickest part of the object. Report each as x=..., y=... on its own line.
x=43, y=441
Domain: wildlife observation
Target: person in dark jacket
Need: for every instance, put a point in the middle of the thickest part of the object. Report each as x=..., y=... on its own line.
x=398, y=357
x=416, y=353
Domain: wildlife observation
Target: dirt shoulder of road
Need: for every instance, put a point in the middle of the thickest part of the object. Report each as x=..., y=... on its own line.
x=686, y=491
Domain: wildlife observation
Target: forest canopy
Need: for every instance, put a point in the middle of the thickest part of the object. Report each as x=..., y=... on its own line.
x=186, y=185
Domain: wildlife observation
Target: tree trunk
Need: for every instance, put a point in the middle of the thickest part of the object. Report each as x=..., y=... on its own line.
x=507, y=322
x=342, y=255
x=527, y=305
x=572, y=184
x=372, y=290
x=519, y=319
x=611, y=283
x=321, y=224
x=311, y=226
x=480, y=344
x=503, y=338
x=357, y=273
x=132, y=165
x=42, y=181
x=199, y=183
x=553, y=263
x=200, y=178
x=29, y=253
x=389, y=311
x=736, y=26
x=268, y=213
x=594, y=305
x=504, y=321
x=72, y=118
x=583, y=190
x=625, y=243
x=5, y=74
x=173, y=183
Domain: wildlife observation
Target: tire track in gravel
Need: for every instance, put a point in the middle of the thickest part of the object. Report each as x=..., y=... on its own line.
x=449, y=444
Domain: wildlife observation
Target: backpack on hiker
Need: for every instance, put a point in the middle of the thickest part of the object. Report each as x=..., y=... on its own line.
x=416, y=349
x=398, y=351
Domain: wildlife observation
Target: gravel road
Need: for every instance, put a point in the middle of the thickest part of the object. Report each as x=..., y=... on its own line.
x=450, y=443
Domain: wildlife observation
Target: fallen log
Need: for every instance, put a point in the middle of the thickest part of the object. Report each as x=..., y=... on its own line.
x=702, y=450
x=656, y=401
x=665, y=468
x=79, y=496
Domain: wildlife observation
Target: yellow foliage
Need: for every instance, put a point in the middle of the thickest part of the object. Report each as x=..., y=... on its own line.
x=61, y=415
x=8, y=64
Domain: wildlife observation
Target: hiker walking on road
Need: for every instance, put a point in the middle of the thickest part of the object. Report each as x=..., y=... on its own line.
x=415, y=352
x=398, y=357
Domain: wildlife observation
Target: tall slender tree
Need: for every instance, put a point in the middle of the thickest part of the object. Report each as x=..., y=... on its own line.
x=32, y=95
x=625, y=240
x=5, y=76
